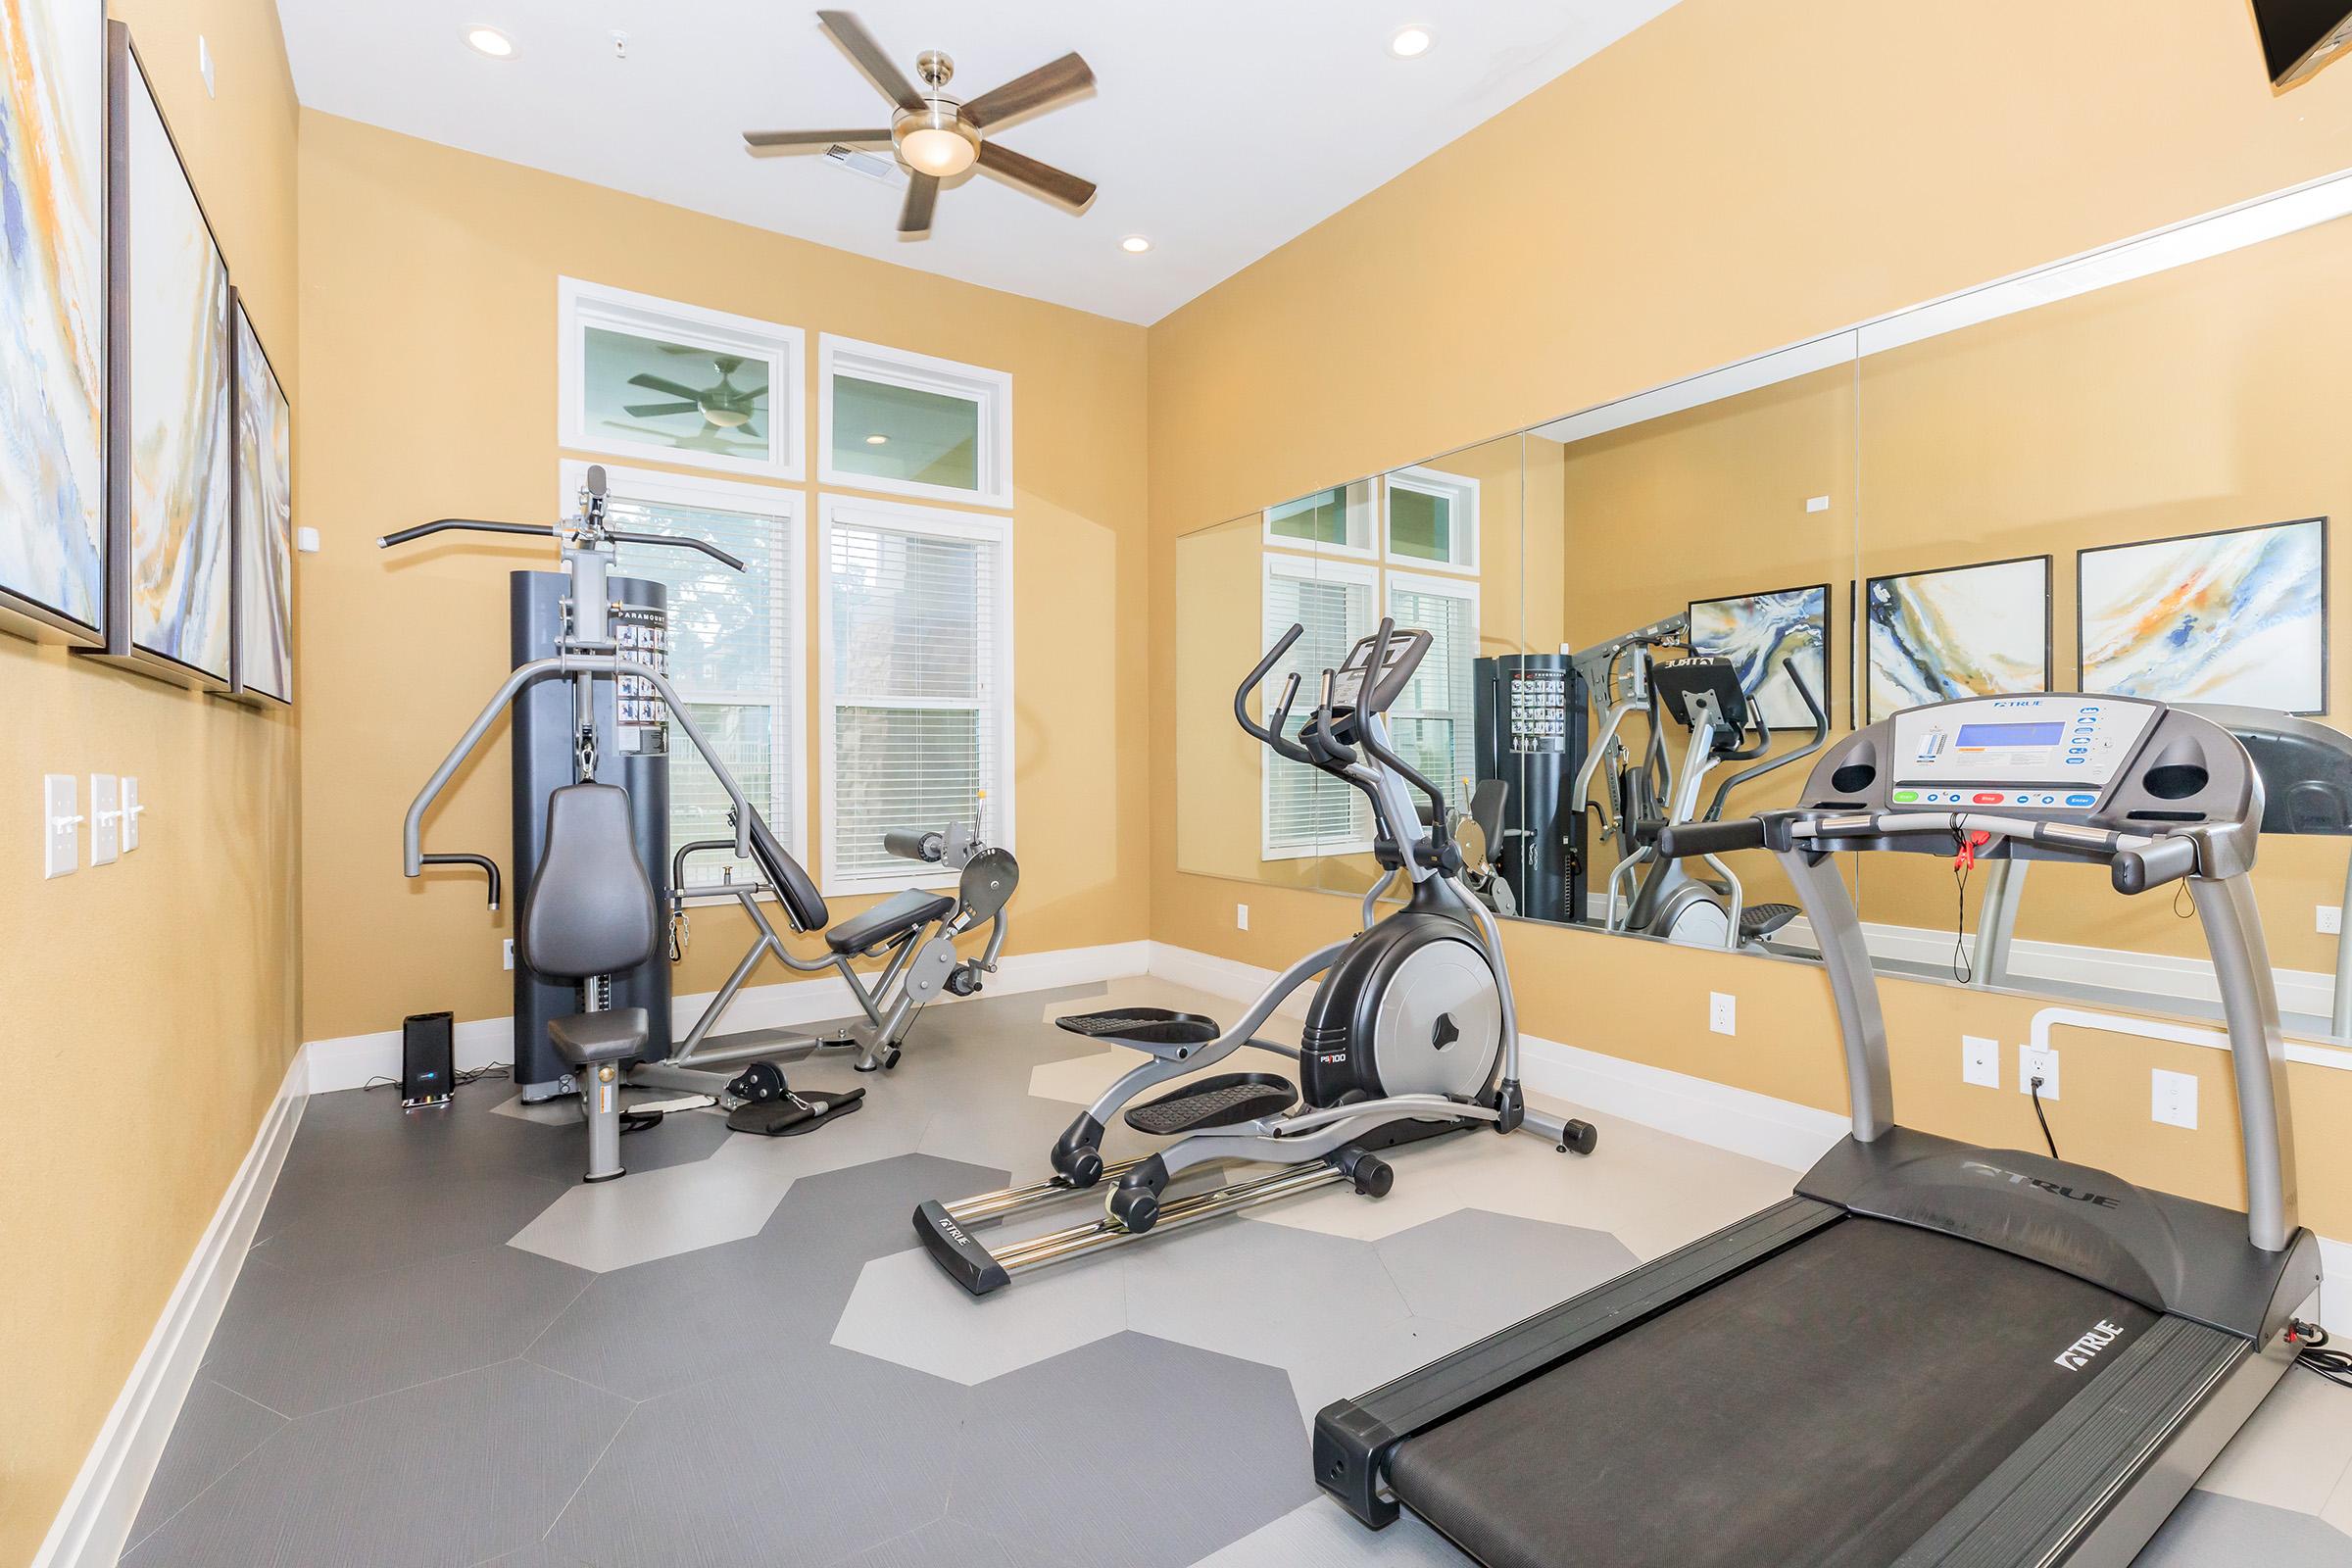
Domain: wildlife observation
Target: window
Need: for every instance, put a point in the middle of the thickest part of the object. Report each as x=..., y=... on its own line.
x=1433, y=519
x=911, y=424
x=736, y=642
x=1337, y=521
x=1307, y=811
x=645, y=378
x=915, y=650
x=1434, y=723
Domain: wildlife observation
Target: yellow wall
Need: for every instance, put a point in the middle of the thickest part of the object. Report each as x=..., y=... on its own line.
x=158, y=996
x=1697, y=208
x=429, y=351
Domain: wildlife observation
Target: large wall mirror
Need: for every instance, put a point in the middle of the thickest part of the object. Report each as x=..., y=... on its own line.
x=2116, y=474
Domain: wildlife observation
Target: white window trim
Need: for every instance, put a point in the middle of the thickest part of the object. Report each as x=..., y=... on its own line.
x=1355, y=494
x=1461, y=491
x=729, y=495
x=991, y=391
x=1301, y=568
x=1459, y=588
x=580, y=305
x=1002, y=815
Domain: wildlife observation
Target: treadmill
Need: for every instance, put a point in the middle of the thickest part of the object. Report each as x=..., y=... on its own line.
x=1934, y=1354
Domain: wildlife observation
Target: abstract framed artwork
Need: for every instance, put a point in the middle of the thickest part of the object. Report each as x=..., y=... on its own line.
x=654, y=378
x=1760, y=633
x=1978, y=630
x=2238, y=616
x=262, y=513
x=53, y=319
x=168, y=568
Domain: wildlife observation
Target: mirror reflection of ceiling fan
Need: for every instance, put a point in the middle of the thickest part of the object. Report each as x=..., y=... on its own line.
x=727, y=410
x=937, y=137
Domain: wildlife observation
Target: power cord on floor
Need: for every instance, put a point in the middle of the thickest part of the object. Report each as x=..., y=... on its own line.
x=2309, y=1343
x=495, y=1069
x=2034, y=1088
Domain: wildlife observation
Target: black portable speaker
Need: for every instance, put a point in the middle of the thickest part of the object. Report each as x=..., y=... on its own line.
x=427, y=1059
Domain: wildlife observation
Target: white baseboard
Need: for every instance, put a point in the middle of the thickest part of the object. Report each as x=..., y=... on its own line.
x=95, y=1522
x=351, y=1060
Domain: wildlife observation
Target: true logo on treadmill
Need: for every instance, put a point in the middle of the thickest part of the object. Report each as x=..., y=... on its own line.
x=2080, y=1355
x=2018, y=1178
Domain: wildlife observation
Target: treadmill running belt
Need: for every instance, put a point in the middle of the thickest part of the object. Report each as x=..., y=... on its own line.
x=1826, y=1408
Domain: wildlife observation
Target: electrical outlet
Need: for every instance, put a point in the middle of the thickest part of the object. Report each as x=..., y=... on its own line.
x=131, y=814
x=1241, y=917
x=1817, y=502
x=2037, y=1062
x=2173, y=1098
x=1723, y=1013
x=509, y=952
x=106, y=819
x=2332, y=919
x=1980, y=1061
x=60, y=826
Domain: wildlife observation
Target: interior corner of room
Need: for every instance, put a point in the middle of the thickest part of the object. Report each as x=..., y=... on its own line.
x=565, y=641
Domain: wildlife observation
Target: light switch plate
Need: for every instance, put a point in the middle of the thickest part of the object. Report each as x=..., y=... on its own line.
x=106, y=819
x=2173, y=1098
x=1723, y=1013
x=2042, y=1063
x=131, y=814
x=60, y=826
x=306, y=540
x=1980, y=1061
x=1817, y=502
x=1241, y=917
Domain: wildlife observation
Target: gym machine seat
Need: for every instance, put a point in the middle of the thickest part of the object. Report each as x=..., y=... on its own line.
x=588, y=1038
x=889, y=920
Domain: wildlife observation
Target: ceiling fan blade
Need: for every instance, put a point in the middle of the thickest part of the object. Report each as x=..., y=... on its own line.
x=746, y=394
x=923, y=191
x=849, y=32
x=1041, y=88
x=764, y=143
x=750, y=434
x=654, y=383
x=1043, y=179
x=655, y=410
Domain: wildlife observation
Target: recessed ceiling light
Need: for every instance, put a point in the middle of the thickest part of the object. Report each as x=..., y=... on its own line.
x=490, y=41
x=877, y=440
x=1410, y=41
x=1135, y=244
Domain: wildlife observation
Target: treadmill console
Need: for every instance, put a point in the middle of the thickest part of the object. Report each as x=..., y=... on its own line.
x=2055, y=752
x=1407, y=646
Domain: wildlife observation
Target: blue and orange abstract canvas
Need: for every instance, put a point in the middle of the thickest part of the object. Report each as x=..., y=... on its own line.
x=2238, y=617
x=1762, y=635
x=53, y=308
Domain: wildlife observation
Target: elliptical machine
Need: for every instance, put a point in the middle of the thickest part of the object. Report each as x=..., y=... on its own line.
x=1411, y=1034
x=1716, y=714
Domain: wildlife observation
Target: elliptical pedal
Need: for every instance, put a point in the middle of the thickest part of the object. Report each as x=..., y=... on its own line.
x=1224, y=1101
x=1763, y=919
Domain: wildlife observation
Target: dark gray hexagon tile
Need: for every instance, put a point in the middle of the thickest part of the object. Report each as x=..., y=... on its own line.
x=797, y=1461
x=360, y=1231
x=949, y=1544
x=1132, y=1451
x=538, y=1554
x=453, y=1472
x=1486, y=1270
x=2208, y=1529
x=310, y=1344
x=217, y=1427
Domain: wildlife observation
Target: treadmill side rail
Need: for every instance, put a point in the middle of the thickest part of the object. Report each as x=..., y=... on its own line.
x=1354, y=1438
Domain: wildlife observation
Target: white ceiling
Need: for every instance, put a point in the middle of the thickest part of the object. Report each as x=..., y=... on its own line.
x=1220, y=129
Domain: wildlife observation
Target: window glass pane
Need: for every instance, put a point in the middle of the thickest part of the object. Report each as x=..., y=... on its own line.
x=1307, y=808
x=659, y=392
x=1320, y=519
x=901, y=769
x=729, y=658
x=907, y=614
x=1420, y=525
x=896, y=432
x=1434, y=716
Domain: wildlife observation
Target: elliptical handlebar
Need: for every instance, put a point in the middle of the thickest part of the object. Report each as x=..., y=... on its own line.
x=1274, y=738
x=1821, y=738
x=1368, y=734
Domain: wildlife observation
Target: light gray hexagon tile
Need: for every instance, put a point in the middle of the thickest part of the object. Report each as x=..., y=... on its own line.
x=805, y=1459
x=1264, y=1293
x=2208, y=1529
x=1357, y=1360
x=497, y=1452
x=906, y=1310
x=1321, y=1534
x=1131, y=1450
x=1486, y=1270
x=2295, y=1450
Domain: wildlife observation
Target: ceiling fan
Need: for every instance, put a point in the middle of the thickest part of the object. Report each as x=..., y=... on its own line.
x=725, y=407
x=937, y=137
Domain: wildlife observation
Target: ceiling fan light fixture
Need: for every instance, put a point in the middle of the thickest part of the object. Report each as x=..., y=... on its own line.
x=936, y=143
x=1135, y=244
x=877, y=440
x=1410, y=42
x=484, y=40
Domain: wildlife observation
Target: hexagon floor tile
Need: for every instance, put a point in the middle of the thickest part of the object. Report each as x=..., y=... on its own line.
x=738, y=1356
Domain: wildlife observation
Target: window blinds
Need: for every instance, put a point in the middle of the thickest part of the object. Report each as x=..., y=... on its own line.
x=1434, y=722
x=730, y=658
x=1306, y=809
x=912, y=677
